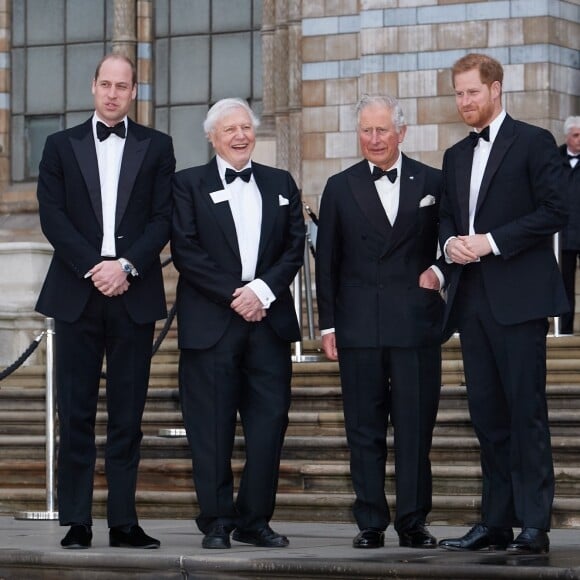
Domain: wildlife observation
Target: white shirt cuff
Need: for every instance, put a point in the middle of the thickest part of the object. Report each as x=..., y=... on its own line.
x=493, y=245
x=262, y=291
x=439, y=275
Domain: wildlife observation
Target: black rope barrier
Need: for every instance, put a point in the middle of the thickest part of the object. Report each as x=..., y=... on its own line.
x=22, y=358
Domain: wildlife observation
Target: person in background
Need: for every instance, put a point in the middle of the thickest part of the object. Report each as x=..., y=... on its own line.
x=381, y=314
x=238, y=242
x=104, y=195
x=570, y=236
x=503, y=200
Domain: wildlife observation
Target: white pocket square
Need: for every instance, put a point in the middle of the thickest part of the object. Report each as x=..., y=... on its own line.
x=219, y=196
x=282, y=200
x=427, y=200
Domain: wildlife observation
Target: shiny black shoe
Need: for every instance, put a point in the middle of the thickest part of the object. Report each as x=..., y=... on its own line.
x=480, y=537
x=417, y=537
x=369, y=538
x=265, y=537
x=530, y=541
x=218, y=538
x=134, y=538
x=78, y=537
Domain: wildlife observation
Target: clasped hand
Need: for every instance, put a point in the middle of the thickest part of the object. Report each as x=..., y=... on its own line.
x=466, y=249
x=109, y=278
x=248, y=305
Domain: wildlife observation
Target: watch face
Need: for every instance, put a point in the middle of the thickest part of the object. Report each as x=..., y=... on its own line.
x=126, y=268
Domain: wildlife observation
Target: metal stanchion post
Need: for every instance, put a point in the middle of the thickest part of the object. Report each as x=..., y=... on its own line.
x=50, y=513
x=556, y=244
x=308, y=286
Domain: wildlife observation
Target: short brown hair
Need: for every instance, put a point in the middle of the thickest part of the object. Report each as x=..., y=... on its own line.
x=490, y=70
x=118, y=56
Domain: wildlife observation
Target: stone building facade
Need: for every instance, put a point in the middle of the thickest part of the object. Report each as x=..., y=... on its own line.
x=307, y=63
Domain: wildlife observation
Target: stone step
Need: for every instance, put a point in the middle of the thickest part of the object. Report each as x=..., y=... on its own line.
x=306, y=507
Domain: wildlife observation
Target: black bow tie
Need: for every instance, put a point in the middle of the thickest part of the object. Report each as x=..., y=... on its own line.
x=484, y=134
x=391, y=173
x=103, y=131
x=573, y=156
x=245, y=174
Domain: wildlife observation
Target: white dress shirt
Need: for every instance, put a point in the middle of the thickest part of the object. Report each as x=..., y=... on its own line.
x=109, y=157
x=246, y=206
x=389, y=192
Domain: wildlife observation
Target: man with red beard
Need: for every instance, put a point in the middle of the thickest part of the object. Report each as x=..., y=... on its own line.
x=503, y=199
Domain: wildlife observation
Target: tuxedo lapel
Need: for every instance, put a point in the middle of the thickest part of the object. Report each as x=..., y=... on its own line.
x=133, y=155
x=463, y=179
x=501, y=144
x=270, y=203
x=363, y=189
x=221, y=210
x=83, y=146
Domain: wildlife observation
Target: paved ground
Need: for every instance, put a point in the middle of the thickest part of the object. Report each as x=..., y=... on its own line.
x=30, y=550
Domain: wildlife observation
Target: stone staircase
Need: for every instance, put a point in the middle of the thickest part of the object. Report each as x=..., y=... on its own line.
x=314, y=483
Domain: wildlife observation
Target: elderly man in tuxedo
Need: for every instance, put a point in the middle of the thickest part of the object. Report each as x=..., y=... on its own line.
x=570, y=236
x=104, y=195
x=381, y=316
x=503, y=200
x=237, y=242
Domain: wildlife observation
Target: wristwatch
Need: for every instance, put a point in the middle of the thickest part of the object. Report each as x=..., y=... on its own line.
x=127, y=267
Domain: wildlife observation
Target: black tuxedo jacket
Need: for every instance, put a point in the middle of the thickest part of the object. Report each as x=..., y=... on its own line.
x=367, y=272
x=522, y=204
x=69, y=197
x=205, y=252
x=570, y=239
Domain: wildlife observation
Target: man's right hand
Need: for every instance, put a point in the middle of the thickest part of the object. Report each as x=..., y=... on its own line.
x=329, y=346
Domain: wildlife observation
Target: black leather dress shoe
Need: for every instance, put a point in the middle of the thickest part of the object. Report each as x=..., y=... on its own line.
x=134, y=538
x=417, y=537
x=369, y=538
x=218, y=538
x=265, y=537
x=530, y=541
x=480, y=537
x=78, y=537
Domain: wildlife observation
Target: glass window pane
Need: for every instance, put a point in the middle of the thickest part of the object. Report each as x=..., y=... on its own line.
x=231, y=66
x=85, y=20
x=45, y=22
x=82, y=61
x=17, y=148
x=161, y=71
x=189, y=70
x=190, y=143
x=161, y=18
x=109, y=16
x=18, y=23
x=72, y=119
x=162, y=119
x=38, y=129
x=45, y=80
x=190, y=16
x=257, y=14
x=18, y=71
x=226, y=19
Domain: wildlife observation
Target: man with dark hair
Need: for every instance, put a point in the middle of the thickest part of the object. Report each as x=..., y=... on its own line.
x=503, y=199
x=104, y=194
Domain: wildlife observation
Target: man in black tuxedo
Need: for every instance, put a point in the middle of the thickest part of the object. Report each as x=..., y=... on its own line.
x=503, y=199
x=570, y=236
x=237, y=242
x=104, y=194
x=380, y=314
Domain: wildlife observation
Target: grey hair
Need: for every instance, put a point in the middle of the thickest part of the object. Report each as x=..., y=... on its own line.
x=224, y=106
x=570, y=123
x=386, y=100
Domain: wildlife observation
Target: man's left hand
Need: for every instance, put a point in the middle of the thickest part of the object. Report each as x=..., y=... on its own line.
x=109, y=278
x=428, y=279
x=248, y=305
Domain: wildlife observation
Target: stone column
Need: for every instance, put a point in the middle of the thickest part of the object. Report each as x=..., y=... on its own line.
x=295, y=89
x=124, y=39
x=281, y=62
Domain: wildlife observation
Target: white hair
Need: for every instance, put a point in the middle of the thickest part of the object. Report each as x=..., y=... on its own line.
x=571, y=123
x=221, y=108
x=386, y=100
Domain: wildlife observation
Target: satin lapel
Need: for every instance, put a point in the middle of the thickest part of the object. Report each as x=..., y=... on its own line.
x=222, y=212
x=410, y=190
x=501, y=144
x=133, y=155
x=85, y=152
x=270, y=203
x=365, y=194
x=463, y=164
